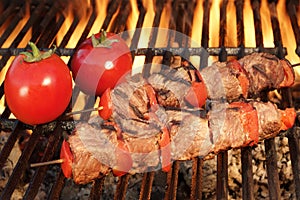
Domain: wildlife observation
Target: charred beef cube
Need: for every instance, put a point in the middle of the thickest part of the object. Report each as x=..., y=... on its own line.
x=144, y=151
x=265, y=71
x=190, y=135
x=93, y=150
x=170, y=87
x=221, y=82
x=129, y=98
x=233, y=125
x=269, y=119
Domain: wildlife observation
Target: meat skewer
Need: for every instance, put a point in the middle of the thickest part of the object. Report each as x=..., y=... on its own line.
x=245, y=78
x=234, y=125
x=150, y=122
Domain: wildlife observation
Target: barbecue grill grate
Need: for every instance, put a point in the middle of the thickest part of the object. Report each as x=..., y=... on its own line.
x=44, y=22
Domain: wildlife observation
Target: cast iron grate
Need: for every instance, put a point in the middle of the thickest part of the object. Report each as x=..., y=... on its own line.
x=48, y=15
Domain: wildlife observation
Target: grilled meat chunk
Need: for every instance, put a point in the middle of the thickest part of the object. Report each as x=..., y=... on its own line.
x=221, y=82
x=265, y=71
x=93, y=152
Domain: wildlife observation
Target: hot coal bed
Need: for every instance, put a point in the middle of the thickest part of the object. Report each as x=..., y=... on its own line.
x=270, y=169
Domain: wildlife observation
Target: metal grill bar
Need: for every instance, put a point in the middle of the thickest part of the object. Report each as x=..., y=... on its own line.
x=205, y=27
x=122, y=187
x=97, y=189
x=172, y=181
x=291, y=6
x=40, y=173
x=22, y=164
x=294, y=144
x=193, y=51
x=57, y=187
x=146, y=186
x=247, y=174
x=222, y=157
x=246, y=155
x=197, y=185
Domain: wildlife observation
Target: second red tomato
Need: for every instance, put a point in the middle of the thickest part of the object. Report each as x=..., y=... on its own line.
x=100, y=63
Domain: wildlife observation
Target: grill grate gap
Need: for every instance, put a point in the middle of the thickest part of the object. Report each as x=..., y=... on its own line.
x=40, y=173
x=22, y=164
x=146, y=186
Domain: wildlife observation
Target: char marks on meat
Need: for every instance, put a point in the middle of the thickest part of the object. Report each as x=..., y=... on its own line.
x=93, y=150
x=269, y=119
x=190, y=136
x=221, y=82
x=144, y=151
x=171, y=87
x=129, y=98
x=264, y=71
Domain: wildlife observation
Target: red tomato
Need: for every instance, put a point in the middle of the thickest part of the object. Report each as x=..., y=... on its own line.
x=38, y=92
x=96, y=67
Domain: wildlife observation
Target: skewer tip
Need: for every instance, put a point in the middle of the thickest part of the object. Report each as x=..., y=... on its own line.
x=52, y=162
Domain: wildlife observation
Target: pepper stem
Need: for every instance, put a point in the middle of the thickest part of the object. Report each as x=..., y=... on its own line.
x=103, y=41
x=36, y=55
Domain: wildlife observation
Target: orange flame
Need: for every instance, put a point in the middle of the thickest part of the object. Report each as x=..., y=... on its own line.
x=266, y=24
x=214, y=23
x=197, y=21
x=134, y=15
x=231, y=25
x=286, y=31
x=249, y=29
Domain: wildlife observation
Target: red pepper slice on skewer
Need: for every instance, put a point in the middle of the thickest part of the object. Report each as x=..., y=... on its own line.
x=165, y=149
x=289, y=75
x=106, y=103
x=124, y=160
x=67, y=156
x=250, y=121
x=288, y=117
x=197, y=94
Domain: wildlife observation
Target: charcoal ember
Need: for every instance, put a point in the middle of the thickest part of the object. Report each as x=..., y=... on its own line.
x=11, y=162
x=264, y=71
x=235, y=174
x=72, y=191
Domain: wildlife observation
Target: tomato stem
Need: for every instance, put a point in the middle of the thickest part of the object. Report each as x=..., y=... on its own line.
x=103, y=41
x=36, y=55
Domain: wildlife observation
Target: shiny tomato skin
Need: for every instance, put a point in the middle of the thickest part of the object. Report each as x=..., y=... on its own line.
x=88, y=65
x=38, y=92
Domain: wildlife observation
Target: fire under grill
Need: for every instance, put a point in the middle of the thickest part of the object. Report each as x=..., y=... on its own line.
x=67, y=24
